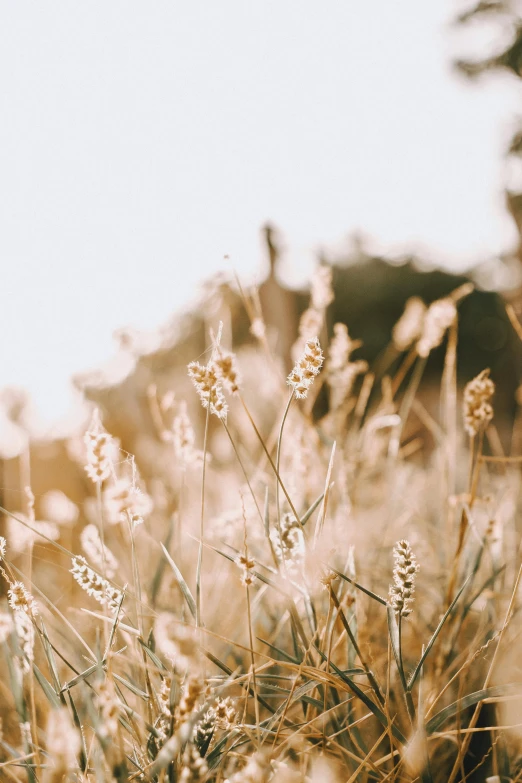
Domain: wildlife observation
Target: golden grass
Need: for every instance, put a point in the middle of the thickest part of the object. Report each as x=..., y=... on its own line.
x=245, y=630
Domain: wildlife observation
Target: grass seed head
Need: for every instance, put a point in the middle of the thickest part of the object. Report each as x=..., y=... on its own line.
x=409, y=327
x=98, y=554
x=440, y=315
x=21, y=600
x=404, y=573
x=208, y=388
x=6, y=626
x=306, y=368
x=94, y=585
x=99, y=447
x=478, y=410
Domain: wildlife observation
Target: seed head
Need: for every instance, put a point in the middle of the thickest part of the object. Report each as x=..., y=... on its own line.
x=123, y=501
x=177, y=642
x=94, y=585
x=208, y=388
x=321, y=289
x=25, y=635
x=109, y=707
x=258, y=328
x=183, y=437
x=100, y=555
x=340, y=349
x=6, y=626
x=403, y=587
x=194, y=768
x=21, y=600
x=225, y=363
x=409, y=326
x=306, y=368
x=246, y=564
x=63, y=743
x=478, y=410
x=3, y=547
x=289, y=542
x=192, y=691
x=439, y=317
x=99, y=446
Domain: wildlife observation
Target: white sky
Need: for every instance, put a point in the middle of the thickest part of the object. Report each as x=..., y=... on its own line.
x=142, y=141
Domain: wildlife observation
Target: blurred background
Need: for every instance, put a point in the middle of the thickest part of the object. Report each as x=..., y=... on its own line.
x=143, y=147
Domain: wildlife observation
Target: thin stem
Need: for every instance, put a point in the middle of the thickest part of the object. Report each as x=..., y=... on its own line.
x=278, y=455
x=271, y=461
x=201, y=526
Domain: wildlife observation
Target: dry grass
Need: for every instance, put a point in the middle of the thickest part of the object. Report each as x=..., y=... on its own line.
x=327, y=597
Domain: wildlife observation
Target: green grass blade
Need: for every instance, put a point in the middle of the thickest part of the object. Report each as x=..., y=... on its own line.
x=306, y=516
x=50, y=693
x=361, y=588
x=436, y=633
x=470, y=700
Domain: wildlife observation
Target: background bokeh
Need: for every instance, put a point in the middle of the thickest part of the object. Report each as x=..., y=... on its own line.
x=141, y=143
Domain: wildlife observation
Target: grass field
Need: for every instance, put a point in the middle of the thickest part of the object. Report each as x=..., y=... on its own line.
x=322, y=584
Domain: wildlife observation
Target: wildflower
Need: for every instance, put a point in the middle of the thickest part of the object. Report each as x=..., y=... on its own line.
x=21, y=600
x=63, y=743
x=409, y=326
x=406, y=567
x=25, y=634
x=208, y=388
x=100, y=555
x=478, y=410
x=6, y=626
x=225, y=363
x=246, y=564
x=123, y=501
x=306, y=368
x=94, y=585
x=99, y=446
x=439, y=317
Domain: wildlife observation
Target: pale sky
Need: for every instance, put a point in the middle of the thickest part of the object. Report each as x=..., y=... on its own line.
x=140, y=142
